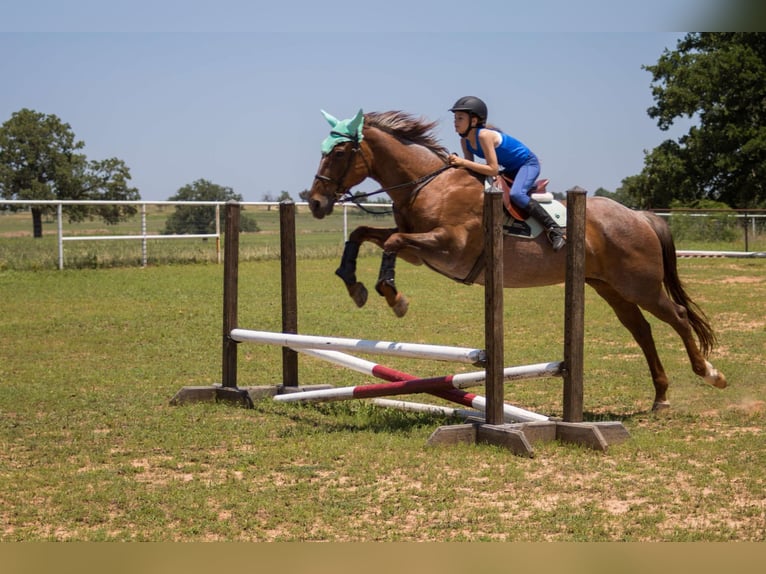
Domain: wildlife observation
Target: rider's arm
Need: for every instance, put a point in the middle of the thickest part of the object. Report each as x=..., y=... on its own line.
x=487, y=143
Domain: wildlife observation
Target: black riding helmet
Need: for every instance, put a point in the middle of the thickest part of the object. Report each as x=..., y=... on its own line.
x=472, y=105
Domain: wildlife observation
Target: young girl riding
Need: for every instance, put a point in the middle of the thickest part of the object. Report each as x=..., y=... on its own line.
x=499, y=150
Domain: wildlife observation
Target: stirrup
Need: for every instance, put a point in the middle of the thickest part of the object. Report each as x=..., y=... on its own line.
x=556, y=237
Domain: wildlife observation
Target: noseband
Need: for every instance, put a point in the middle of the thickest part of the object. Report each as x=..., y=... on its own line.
x=340, y=189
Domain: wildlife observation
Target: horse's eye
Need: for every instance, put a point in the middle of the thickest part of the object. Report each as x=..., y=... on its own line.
x=338, y=153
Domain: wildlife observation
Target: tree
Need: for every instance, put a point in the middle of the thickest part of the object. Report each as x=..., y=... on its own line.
x=200, y=219
x=39, y=160
x=716, y=79
x=621, y=195
x=268, y=198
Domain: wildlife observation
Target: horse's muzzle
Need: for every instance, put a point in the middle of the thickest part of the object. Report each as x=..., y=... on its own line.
x=320, y=207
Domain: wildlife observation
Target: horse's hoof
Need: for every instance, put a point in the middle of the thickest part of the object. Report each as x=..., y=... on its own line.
x=715, y=377
x=358, y=293
x=400, y=306
x=660, y=406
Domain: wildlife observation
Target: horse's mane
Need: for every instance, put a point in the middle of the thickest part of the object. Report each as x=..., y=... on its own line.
x=407, y=127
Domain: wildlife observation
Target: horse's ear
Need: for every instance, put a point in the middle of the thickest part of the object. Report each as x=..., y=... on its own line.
x=356, y=124
x=332, y=120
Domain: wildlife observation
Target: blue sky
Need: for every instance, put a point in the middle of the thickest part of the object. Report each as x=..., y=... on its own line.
x=180, y=94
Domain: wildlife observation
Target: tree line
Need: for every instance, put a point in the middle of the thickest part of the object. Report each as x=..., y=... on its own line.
x=716, y=79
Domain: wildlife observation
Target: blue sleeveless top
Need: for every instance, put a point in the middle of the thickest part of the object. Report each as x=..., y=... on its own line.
x=511, y=153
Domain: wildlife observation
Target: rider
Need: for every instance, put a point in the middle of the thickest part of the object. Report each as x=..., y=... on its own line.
x=500, y=150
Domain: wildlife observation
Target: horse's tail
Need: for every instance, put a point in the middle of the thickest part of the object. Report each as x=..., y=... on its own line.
x=675, y=288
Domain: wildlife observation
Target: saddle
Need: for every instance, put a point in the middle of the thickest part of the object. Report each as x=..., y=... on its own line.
x=538, y=192
x=524, y=226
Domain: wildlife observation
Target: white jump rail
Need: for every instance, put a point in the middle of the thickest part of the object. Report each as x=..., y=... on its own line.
x=411, y=350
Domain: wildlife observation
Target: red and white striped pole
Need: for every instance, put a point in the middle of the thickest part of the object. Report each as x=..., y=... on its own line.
x=448, y=387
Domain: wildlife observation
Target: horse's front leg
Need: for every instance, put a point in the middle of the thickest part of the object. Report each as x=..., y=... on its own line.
x=347, y=272
x=410, y=247
x=347, y=269
x=386, y=285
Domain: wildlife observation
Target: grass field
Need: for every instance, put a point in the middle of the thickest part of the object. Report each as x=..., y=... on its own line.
x=91, y=450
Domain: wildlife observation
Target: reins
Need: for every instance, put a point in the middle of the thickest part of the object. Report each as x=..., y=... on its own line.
x=419, y=184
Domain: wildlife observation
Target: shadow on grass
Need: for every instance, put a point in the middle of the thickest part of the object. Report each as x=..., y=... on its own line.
x=601, y=417
x=361, y=417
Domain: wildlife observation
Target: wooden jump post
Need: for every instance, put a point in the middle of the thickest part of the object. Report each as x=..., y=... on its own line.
x=518, y=437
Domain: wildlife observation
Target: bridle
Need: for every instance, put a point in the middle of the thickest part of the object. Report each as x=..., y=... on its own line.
x=343, y=193
x=341, y=190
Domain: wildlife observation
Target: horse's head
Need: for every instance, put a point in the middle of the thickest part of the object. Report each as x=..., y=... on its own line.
x=343, y=164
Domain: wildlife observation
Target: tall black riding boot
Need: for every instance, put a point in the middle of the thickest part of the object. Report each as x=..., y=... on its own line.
x=553, y=230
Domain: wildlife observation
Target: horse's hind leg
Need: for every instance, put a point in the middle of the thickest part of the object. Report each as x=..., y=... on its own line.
x=386, y=285
x=677, y=317
x=347, y=272
x=634, y=321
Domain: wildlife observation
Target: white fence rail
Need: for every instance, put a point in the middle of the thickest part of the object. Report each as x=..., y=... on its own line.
x=144, y=237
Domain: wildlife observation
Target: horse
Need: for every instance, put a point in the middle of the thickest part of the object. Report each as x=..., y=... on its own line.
x=630, y=256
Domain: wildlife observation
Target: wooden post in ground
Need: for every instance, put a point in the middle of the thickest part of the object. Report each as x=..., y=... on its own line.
x=598, y=435
x=574, y=306
x=230, y=294
x=289, y=290
x=493, y=305
x=227, y=391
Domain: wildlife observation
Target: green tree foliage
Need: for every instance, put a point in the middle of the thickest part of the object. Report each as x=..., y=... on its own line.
x=200, y=219
x=716, y=79
x=619, y=196
x=40, y=160
x=283, y=196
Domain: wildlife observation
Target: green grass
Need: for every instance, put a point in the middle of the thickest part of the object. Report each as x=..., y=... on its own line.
x=90, y=448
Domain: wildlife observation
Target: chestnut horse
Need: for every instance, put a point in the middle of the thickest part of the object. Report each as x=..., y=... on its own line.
x=630, y=255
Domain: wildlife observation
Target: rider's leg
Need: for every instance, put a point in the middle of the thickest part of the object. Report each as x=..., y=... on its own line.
x=524, y=181
x=554, y=232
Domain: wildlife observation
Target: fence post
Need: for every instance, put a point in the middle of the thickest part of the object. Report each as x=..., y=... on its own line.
x=227, y=391
x=289, y=289
x=60, y=216
x=218, y=233
x=747, y=246
x=230, y=291
x=143, y=235
x=493, y=305
x=574, y=309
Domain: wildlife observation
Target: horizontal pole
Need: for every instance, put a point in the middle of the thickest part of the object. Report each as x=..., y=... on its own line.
x=107, y=237
x=446, y=392
x=459, y=381
x=424, y=408
x=742, y=254
x=167, y=202
x=412, y=350
x=403, y=387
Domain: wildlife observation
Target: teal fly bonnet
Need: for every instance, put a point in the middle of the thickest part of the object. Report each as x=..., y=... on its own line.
x=342, y=130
